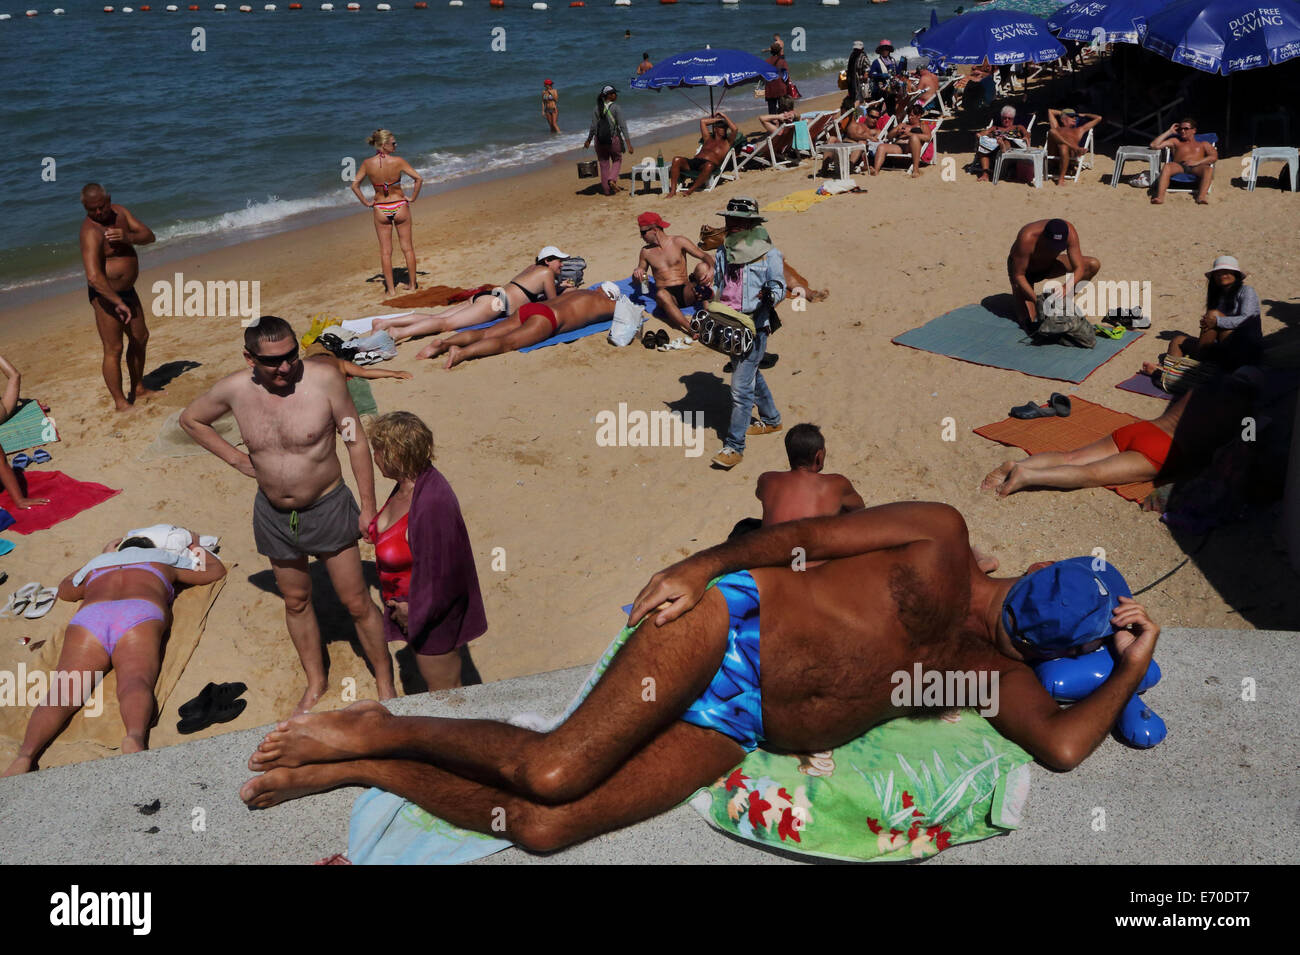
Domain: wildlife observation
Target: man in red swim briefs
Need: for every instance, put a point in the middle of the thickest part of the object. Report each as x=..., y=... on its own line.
x=1182, y=439
x=535, y=322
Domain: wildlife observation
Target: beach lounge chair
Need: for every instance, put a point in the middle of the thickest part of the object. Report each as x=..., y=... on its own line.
x=773, y=151
x=727, y=170
x=1082, y=162
x=1185, y=181
x=928, y=152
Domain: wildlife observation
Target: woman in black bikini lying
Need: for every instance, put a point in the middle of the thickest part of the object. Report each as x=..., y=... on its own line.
x=392, y=207
x=534, y=284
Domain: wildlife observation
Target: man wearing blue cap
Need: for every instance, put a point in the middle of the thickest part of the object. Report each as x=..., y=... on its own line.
x=1045, y=249
x=900, y=588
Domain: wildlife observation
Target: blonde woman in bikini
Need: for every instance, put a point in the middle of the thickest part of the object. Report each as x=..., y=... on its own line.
x=392, y=206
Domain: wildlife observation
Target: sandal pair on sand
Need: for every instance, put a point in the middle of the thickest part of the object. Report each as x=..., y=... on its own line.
x=658, y=340
x=20, y=461
x=1058, y=406
x=30, y=601
x=216, y=703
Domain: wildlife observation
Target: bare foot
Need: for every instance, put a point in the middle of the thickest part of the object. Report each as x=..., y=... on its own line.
x=916, y=173
x=1202, y=201
x=1150, y=368
x=431, y=350
x=20, y=765
x=319, y=737
x=986, y=562
x=984, y=177
x=281, y=785
x=997, y=476
x=132, y=744
x=1155, y=201
x=122, y=405
x=309, y=699
x=142, y=392
x=1016, y=480
x=454, y=357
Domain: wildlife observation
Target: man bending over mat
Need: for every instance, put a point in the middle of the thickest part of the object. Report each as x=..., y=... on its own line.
x=900, y=587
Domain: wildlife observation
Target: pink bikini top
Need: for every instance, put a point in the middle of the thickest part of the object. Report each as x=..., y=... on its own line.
x=171, y=591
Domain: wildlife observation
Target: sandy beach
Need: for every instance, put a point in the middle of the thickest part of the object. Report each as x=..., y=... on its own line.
x=583, y=526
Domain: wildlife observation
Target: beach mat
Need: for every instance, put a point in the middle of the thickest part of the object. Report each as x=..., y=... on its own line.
x=189, y=618
x=1087, y=423
x=68, y=498
x=362, y=396
x=27, y=427
x=1141, y=384
x=972, y=333
x=798, y=201
x=435, y=296
x=173, y=442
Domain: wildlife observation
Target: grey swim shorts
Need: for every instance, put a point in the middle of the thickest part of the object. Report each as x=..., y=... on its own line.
x=324, y=527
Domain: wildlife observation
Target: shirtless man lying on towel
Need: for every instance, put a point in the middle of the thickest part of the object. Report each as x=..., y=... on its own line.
x=535, y=322
x=899, y=587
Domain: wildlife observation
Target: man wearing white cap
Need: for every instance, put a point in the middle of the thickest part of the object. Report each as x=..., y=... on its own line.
x=535, y=322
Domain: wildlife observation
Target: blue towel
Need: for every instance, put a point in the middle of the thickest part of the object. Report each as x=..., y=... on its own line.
x=973, y=333
x=802, y=141
x=387, y=830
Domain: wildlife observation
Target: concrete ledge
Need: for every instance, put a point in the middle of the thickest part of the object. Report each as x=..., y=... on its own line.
x=1221, y=789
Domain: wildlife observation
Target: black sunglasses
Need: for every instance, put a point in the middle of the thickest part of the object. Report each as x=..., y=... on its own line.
x=275, y=361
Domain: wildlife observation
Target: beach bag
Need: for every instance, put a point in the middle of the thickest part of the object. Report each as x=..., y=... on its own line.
x=1182, y=374
x=844, y=79
x=604, y=128
x=1067, y=329
x=792, y=91
x=724, y=329
x=587, y=169
x=712, y=237
x=628, y=319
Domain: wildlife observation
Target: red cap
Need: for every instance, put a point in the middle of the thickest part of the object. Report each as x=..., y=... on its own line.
x=650, y=218
x=547, y=83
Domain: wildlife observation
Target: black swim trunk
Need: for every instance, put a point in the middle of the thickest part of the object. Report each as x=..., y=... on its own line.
x=696, y=163
x=1034, y=276
x=129, y=297
x=327, y=526
x=678, y=292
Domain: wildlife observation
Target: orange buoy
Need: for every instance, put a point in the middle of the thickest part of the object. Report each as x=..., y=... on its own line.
x=193, y=6
x=146, y=8
x=295, y=6
x=785, y=3
x=497, y=3
x=422, y=5
x=577, y=3
x=667, y=1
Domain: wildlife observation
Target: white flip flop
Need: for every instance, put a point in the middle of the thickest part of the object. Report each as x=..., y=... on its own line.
x=41, y=603
x=21, y=599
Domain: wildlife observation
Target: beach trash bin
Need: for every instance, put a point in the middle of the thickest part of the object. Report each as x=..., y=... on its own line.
x=588, y=169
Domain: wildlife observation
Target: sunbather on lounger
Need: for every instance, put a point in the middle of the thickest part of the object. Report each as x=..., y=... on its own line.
x=537, y=283
x=868, y=130
x=1190, y=156
x=1065, y=138
x=533, y=323
x=771, y=122
x=9, y=401
x=718, y=133
x=125, y=612
x=1178, y=442
x=899, y=588
x=909, y=136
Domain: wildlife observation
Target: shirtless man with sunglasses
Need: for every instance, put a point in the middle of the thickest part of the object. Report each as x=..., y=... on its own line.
x=288, y=411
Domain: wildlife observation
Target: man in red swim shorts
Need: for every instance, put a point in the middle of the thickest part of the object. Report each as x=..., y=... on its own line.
x=537, y=321
x=1181, y=440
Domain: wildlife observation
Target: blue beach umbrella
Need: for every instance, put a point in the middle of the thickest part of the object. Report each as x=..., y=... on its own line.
x=725, y=68
x=1224, y=36
x=996, y=36
x=1110, y=21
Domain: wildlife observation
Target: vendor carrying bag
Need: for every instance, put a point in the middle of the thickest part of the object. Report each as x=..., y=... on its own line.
x=711, y=237
x=724, y=329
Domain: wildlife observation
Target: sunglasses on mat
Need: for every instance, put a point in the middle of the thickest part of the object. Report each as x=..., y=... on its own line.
x=275, y=361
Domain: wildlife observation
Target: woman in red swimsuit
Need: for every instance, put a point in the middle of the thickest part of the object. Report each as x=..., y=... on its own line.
x=391, y=205
x=427, y=577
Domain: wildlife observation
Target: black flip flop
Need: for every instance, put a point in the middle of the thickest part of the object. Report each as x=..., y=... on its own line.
x=200, y=703
x=216, y=713
x=1032, y=410
x=1060, y=404
x=661, y=338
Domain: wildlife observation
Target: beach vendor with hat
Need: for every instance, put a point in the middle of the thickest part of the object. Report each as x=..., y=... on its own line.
x=664, y=257
x=882, y=68
x=1045, y=249
x=610, y=133
x=1231, y=333
x=748, y=282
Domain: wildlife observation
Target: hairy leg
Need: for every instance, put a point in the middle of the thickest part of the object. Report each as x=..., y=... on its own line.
x=294, y=584
x=648, y=686
x=137, y=335
x=111, y=331
x=678, y=760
